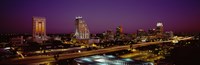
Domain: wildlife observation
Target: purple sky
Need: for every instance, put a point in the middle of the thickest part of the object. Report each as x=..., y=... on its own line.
x=100, y=15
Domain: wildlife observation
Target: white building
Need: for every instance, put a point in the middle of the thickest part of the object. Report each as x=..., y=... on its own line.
x=82, y=31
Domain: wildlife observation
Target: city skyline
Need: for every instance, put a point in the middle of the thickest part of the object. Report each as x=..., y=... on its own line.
x=177, y=16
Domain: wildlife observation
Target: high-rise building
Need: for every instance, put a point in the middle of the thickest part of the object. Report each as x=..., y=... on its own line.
x=159, y=29
x=119, y=34
x=82, y=31
x=39, y=29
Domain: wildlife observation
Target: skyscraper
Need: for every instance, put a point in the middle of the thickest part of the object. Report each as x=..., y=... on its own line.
x=119, y=34
x=159, y=29
x=82, y=31
x=39, y=29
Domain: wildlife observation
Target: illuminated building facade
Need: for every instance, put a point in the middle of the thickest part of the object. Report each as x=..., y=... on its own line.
x=39, y=29
x=82, y=31
x=159, y=29
x=152, y=32
x=119, y=33
x=108, y=35
x=141, y=32
x=141, y=35
x=169, y=34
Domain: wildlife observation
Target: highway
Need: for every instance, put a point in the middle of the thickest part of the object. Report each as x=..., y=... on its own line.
x=46, y=58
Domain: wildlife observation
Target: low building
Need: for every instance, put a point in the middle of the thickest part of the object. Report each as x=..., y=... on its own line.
x=17, y=41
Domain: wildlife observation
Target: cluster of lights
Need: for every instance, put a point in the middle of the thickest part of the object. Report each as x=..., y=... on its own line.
x=159, y=24
x=107, y=60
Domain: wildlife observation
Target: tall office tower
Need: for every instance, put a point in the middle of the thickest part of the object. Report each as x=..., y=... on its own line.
x=119, y=32
x=159, y=29
x=39, y=29
x=82, y=31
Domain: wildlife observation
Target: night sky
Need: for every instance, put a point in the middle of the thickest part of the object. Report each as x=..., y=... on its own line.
x=100, y=15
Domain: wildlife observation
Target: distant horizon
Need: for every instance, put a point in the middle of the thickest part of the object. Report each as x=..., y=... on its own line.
x=100, y=15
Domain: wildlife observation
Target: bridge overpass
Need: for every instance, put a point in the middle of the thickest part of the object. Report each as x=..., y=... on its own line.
x=45, y=58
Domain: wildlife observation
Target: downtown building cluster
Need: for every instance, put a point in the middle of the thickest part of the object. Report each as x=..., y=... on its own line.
x=82, y=34
x=40, y=43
